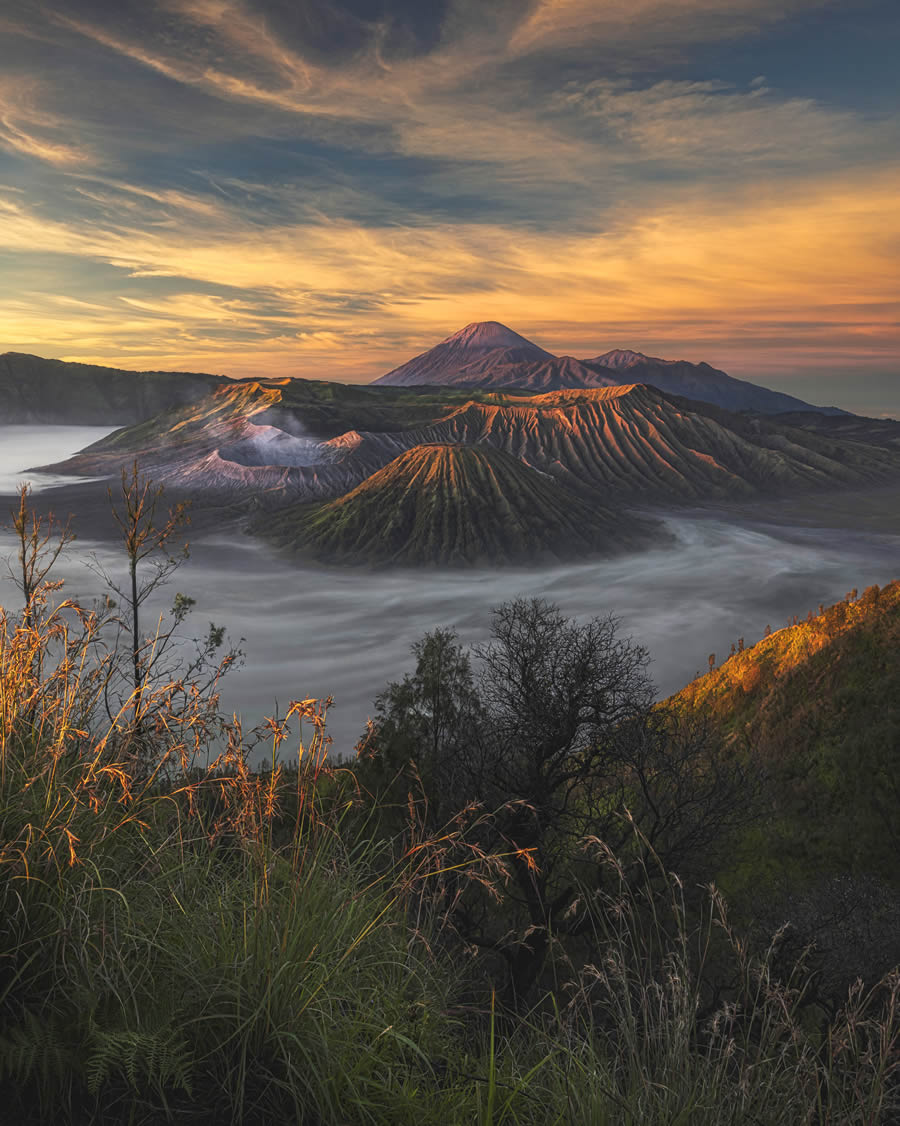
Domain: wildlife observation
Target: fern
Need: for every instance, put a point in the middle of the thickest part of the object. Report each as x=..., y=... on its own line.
x=161, y=1058
x=35, y=1050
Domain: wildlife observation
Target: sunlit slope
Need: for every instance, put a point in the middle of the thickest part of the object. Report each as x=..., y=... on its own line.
x=638, y=443
x=452, y=505
x=817, y=708
x=36, y=390
x=631, y=443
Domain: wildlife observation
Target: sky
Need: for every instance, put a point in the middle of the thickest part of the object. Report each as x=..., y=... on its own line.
x=324, y=188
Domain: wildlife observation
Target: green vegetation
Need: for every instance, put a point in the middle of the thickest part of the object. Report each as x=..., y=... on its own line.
x=327, y=410
x=452, y=505
x=817, y=703
x=312, y=408
x=185, y=939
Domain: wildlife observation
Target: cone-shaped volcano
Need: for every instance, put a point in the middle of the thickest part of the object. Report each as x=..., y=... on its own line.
x=482, y=343
x=453, y=505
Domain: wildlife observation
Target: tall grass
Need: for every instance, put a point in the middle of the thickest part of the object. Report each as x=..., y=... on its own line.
x=222, y=945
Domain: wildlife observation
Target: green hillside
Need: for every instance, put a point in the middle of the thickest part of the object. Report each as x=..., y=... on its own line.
x=455, y=505
x=817, y=708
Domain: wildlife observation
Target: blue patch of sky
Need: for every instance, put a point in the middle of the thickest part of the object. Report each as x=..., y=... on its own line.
x=300, y=178
x=419, y=21
x=845, y=55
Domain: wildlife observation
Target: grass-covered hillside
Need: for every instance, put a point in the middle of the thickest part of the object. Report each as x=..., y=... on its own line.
x=818, y=706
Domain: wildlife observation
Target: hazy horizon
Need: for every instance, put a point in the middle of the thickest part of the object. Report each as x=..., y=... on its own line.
x=877, y=397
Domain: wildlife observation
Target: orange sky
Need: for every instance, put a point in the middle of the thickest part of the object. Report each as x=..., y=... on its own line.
x=223, y=186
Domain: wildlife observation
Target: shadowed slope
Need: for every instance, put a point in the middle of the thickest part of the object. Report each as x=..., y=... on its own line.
x=446, y=504
x=35, y=390
x=694, y=381
x=490, y=355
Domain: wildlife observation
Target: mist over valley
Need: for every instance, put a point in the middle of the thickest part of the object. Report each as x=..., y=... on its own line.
x=320, y=631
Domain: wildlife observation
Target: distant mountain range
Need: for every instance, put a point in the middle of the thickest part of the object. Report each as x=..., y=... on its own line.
x=446, y=460
x=485, y=355
x=490, y=355
x=35, y=390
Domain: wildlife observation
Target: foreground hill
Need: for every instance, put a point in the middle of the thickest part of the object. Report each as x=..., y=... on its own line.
x=817, y=706
x=453, y=505
x=626, y=444
x=489, y=355
x=35, y=390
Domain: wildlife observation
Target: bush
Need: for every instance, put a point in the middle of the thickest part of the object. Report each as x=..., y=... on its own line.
x=223, y=945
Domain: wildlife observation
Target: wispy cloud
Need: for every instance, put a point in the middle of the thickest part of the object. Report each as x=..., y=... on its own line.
x=785, y=270
x=648, y=25
x=26, y=127
x=250, y=186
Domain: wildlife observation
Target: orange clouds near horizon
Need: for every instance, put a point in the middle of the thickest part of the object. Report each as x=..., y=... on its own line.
x=777, y=277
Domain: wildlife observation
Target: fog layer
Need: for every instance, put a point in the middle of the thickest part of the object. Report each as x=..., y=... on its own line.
x=346, y=633
x=25, y=446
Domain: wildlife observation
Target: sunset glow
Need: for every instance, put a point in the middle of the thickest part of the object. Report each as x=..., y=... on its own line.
x=324, y=189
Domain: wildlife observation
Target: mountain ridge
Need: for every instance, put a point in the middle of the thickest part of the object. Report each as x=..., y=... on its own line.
x=465, y=359
x=630, y=442
x=38, y=390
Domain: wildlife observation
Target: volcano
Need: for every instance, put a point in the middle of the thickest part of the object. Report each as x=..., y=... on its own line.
x=487, y=344
x=453, y=505
x=490, y=356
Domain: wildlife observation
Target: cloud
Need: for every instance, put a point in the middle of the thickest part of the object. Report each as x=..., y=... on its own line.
x=702, y=123
x=31, y=130
x=785, y=270
x=257, y=186
x=647, y=26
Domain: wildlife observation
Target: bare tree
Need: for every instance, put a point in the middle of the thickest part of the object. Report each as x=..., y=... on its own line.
x=158, y=671
x=41, y=540
x=148, y=533
x=556, y=736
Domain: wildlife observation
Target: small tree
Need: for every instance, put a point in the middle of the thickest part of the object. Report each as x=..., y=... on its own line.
x=41, y=540
x=147, y=534
x=419, y=722
x=151, y=534
x=554, y=733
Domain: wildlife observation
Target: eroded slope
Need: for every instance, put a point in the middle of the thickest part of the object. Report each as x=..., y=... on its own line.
x=452, y=505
